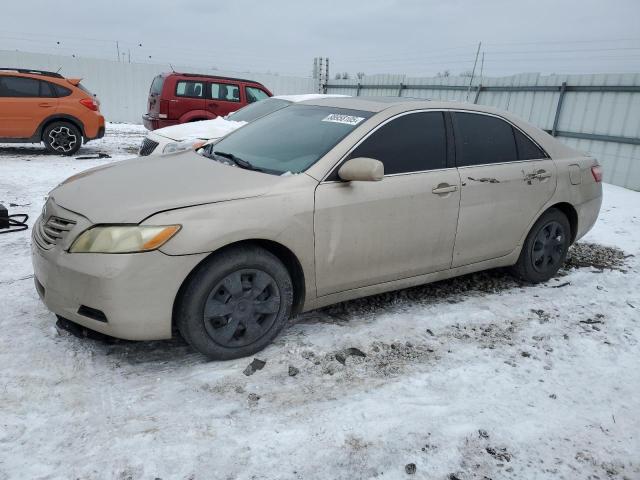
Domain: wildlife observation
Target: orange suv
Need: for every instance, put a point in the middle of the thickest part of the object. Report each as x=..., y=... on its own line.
x=37, y=106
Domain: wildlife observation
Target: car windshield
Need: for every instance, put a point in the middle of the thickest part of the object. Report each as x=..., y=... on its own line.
x=259, y=109
x=289, y=140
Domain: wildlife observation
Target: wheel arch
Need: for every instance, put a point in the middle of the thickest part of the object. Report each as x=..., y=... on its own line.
x=195, y=116
x=572, y=215
x=60, y=118
x=283, y=253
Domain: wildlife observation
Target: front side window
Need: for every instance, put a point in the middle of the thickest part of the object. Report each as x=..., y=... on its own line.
x=190, y=89
x=259, y=109
x=483, y=139
x=291, y=139
x=410, y=143
x=255, y=94
x=225, y=91
x=19, y=87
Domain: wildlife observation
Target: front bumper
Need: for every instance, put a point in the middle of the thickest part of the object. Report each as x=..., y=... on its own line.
x=134, y=292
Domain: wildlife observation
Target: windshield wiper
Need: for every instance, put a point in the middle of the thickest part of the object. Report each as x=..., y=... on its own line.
x=238, y=161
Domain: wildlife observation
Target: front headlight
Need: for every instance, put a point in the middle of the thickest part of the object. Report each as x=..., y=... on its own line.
x=123, y=238
x=181, y=146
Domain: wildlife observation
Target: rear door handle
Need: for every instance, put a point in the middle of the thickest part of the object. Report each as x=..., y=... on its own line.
x=543, y=175
x=45, y=105
x=443, y=188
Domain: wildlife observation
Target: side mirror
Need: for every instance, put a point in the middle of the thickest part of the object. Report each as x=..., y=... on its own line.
x=361, y=169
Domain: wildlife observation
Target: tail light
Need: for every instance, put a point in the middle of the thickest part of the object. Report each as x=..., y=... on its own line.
x=90, y=103
x=596, y=171
x=163, y=111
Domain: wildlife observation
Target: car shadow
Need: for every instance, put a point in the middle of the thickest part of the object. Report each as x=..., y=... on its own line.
x=451, y=291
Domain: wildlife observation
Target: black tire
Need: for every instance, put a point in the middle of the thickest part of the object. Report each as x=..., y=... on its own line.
x=62, y=138
x=251, y=290
x=545, y=249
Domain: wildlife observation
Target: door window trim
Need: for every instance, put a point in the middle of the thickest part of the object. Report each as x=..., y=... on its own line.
x=513, y=126
x=449, y=147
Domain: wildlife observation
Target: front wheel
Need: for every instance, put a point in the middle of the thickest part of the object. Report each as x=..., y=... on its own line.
x=62, y=138
x=235, y=303
x=545, y=249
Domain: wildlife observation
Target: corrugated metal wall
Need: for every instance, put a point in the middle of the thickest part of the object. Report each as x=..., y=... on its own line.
x=603, y=113
x=123, y=87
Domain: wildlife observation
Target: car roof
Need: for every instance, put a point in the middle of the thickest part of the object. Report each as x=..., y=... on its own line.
x=378, y=104
x=307, y=96
x=11, y=70
x=206, y=75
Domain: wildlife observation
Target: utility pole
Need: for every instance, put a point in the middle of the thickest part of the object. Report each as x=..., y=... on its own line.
x=482, y=68
x=129, y=54
x=321, y=73
x=118, y=50
x=475, y=62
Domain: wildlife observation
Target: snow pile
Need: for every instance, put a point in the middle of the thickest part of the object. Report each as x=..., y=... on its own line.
x=474, y=377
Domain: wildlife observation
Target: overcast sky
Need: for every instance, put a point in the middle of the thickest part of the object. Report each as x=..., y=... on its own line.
x=415, y=37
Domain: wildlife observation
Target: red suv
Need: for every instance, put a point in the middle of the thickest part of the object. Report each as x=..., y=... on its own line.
x=188, y=97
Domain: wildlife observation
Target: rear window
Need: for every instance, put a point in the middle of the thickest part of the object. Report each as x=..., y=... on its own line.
x=85, y=89
x=156, y=85
x=259, y=109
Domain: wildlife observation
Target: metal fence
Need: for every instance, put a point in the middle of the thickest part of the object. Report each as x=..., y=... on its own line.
x=599, y=114
x=123, y=88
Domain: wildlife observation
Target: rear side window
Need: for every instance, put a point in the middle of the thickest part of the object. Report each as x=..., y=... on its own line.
x=19, y=87
x=48, y=89
x=255, y=94
x=410, y=143
x=191, y=89
x=156, y=85
x=483, y=139
x=527, y=150
x=225, y=91
x=60, y=90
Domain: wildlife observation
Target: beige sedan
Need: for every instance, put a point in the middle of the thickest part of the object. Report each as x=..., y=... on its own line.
x=317, y=203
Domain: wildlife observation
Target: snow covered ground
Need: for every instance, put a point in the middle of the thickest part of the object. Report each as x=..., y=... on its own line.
x=477, y=377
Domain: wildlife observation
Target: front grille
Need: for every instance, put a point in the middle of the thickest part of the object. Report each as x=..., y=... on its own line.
x=49, y=233
x=147, y=147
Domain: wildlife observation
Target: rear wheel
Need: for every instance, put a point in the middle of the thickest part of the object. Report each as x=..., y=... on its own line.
x=545, y=249
x=63, y=138
x=235, y=303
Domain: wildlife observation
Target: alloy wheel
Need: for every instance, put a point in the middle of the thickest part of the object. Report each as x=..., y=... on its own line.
x=62, y=139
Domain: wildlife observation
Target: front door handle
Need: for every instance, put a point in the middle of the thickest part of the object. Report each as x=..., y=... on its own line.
x=444, y=188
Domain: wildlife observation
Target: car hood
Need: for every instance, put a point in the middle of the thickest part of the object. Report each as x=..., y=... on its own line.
x=131, y=190
x=204, y=129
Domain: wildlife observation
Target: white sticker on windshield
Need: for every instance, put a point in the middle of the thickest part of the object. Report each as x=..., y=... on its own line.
x=346, y=119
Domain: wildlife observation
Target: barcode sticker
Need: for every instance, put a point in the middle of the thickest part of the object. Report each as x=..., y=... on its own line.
x=346, y=119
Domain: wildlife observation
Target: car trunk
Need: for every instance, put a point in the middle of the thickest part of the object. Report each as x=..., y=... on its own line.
x=153, y=106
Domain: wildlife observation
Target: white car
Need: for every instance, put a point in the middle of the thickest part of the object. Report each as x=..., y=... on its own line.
x=192, y=135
